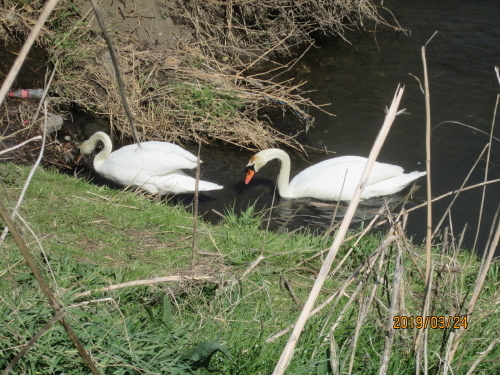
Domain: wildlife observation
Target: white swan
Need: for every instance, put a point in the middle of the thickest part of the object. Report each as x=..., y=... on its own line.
x=325, y=179
x=156, y=167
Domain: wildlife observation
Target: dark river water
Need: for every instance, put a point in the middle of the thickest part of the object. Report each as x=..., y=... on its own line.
x=359, y=80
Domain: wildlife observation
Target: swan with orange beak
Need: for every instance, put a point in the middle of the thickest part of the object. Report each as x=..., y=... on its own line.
x=333, y=179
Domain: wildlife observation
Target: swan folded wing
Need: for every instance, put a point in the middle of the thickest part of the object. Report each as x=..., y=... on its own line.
x=391, y=185
x=177, y=183
x=152, y=161
x=137, y=168
x=337, y=179
x=167, y=147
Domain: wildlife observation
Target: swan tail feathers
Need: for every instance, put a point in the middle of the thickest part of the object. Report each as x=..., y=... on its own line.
x=207, y=186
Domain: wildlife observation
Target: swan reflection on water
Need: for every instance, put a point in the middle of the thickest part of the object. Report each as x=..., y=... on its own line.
x=290, y=214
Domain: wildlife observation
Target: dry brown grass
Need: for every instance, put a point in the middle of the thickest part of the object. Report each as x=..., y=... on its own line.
x=197, y=89
x=179, y=95
x=245, y=30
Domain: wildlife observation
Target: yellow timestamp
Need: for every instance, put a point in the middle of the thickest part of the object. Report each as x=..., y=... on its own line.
x=434, y=322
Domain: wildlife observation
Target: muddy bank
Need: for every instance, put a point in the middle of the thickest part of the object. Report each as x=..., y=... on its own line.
x=187, y=67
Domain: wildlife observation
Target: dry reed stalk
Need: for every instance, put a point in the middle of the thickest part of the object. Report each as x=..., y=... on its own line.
x=497, y=71
x=406, y=211
x=364, y=268
x=33, y=340
x=117, y=73
x=360, y=237
x=478, y=286
x=252, y=266
x=334, y=215
x=264, y=237
x=86, y=303
x=44, y=254
x=393, y=310
x=486, y=174
x=481, y=357
x=325, y=268
x=153, y=281
x=53, y=302
x=346, y=307
x=195, y=213
x=428, y=239
x=448, y=354
x=363, y=312
x=424, y=314
x=334, y=355
x=490, y=236
x=371, y=259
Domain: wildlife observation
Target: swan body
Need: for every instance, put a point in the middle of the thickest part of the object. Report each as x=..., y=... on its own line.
x=155, y=167
x=333, y=179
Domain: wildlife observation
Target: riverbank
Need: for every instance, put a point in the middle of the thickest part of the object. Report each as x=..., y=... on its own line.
x=190, y=71
x=227, y=305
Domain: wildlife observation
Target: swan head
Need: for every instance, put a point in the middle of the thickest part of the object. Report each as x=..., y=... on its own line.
x=259, y=160
x=90, y=144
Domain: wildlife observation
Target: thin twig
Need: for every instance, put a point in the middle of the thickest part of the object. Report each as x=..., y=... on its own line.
x=451, y=193
x=153, y=281
x=37, y=138
x=26, y=184
x=195, y=213
x=11, y=76
x=118, y=76
x=486, y=175
x=481, y=357
x=40, y=155
x=334, y=215
x=458, y=192
x=254, y=264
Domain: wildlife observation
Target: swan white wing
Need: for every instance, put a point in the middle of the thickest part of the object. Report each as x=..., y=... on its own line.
x=136, y=167
x=391, y=185
x=151, y=160
x=328, y=179
x=166, y=147
x=176, y=183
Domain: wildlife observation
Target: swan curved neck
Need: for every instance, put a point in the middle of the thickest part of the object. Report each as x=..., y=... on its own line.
x=89, y=145
x=284, y=175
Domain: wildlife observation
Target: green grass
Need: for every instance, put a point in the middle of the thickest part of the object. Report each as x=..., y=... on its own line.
x=94, y=236
x=207, y=102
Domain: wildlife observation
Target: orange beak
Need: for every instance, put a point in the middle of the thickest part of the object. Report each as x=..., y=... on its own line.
x=250, y=174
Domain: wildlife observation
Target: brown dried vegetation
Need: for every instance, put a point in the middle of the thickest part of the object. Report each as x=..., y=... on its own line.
x=197, y=84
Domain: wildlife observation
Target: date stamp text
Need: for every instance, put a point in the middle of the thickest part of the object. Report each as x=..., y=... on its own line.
x=434, y=322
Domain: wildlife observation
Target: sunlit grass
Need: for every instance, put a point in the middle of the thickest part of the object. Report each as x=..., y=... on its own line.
x=94, y=236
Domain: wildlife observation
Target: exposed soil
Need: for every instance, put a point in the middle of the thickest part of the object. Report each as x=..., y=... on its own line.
x=149, y=21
